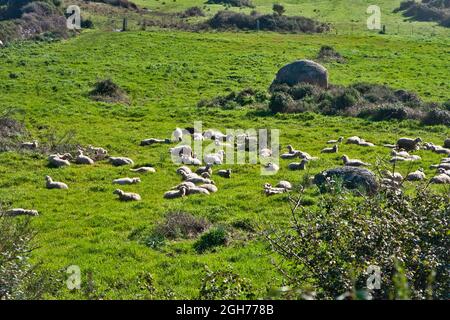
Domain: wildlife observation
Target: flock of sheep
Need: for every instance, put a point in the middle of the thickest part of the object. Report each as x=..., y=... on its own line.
x=200, y=181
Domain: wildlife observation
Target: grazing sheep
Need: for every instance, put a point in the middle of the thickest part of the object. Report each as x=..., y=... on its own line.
x=177, y=134
x=148, y=142
x=224, y=173
x=20, y=212
x=120, y=161
x=353, y=162
x=82, y=159
x=210, y=187
x=417, y=175
x=214, y=158
x=50, y=184
x=127, y=196
x=144, y=170
x=353, y=140
x=408, y=144
x=335, y=141
x=298, y=165
x=440, y=179
x=29, y=145
x=124, y=181
x=284, y=184
x=172, y=194
x=272, y=167
x=207, y=169
x=56, y=160
x=334, y=149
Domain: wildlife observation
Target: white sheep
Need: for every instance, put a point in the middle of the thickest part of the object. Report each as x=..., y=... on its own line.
x=269, y=190
x=206, y=168
x=194, y=178
x=127, y=196
x=124, y=181
x=181, y=150
x=334, y=149
x=98, y=153
x=120, y=161
x=444, y=165
x=284, y=184
x=408, y=144
x=417, y=175
x=21, y=212
x=196, y=190
x=443, y=171
x=265, y=153
x=50, y=184
x=396, y=176
x=214, y=158
x=197, y=136
x=177, y=134
x=193, y=160
x=353, y=140
x=83, y=159
x=144, y=170
x=440, y=179
x=353, y=162
x=184, y=184
x=364, y=143
x=172, y=194
x=271, y=167
x=56, y=160
x=210, y=187
x=440, y=150
x=184, y=169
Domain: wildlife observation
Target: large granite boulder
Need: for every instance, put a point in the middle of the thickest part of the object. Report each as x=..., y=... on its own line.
x=351, y=178
x=302, y=71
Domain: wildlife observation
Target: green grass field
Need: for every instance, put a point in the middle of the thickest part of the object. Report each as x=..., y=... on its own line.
x=166, y=73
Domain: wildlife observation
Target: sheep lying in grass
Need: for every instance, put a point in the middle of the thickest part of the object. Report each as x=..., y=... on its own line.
x=184, y=169
x=83, y=159
x=265, y=153
x=172, y=194
x=396, y=176
x=271, y=167
x=148, y=142
x=298, y=165
x=21, y=212
x=177, y=134
x=205, y=175
x=335, y=141
x=29, y=145
x=353, y=162
x=56, y=160
x=181, y=150
x=284, y=184
x=144, y=170
x=204, y=169
x=195, y=178
x=334, y=149
x=97, y=153
x=364, y=143
x=444, y=165
x=210, y=187
x=193, y=160
x=214, y=158
x=224, y=173
x=120, y=161
x=408, y=144
x=417, y=175
x=441, y=178
x=50, y=184
x=127, y=196
x=269, y=190
x=125, y=181
x=440, y=150
x=353, y=140
x=403, y=156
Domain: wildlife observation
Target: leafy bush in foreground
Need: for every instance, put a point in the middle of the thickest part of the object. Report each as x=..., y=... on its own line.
x=211, y=239
x=329, y=248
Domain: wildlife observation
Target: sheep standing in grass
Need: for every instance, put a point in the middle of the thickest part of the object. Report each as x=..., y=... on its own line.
x=144, y=170
x=127, y=196
x=21, y=212
x=83, y=159
x=50, y=184
x=353, y=162
x=120, y=161
x=56, y=160
x=334, y=149
x=417, y=175
x=125, y=181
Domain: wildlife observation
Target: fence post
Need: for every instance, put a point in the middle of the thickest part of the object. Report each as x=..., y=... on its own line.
x=124, y=24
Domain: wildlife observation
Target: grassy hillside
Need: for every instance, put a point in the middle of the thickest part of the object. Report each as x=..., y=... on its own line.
x=166, y=73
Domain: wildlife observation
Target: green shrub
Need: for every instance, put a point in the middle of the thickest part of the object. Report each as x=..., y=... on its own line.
x=280, y=102
x=211, y=239
x=437, y=117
